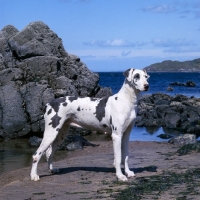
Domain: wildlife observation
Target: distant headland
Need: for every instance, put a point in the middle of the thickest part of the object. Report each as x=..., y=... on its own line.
x=175, y=66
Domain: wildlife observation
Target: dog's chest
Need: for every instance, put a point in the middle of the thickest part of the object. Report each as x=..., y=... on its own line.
x=130, y=117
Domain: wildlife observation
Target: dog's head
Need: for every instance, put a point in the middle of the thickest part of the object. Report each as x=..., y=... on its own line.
x=137, y=78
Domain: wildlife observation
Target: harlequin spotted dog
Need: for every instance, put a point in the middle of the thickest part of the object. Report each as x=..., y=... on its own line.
x=115, y=115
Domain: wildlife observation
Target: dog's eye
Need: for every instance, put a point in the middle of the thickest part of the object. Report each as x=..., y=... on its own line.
x=147, y=76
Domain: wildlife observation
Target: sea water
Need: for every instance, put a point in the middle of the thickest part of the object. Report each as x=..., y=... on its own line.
x=158, y=82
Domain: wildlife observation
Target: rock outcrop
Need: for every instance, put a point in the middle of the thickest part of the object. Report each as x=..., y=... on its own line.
x=183, y=139
x=175, y=66
x=178, y=112
x=35, y=68
x=187, y=84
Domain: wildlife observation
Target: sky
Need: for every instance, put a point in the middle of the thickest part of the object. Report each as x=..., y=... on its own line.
x=115, y=35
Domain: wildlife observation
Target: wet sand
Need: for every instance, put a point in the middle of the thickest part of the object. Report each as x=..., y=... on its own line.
x=89, y=173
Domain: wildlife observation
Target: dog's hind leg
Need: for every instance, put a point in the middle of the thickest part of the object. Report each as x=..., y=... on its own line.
x=49, y=136
x=125, y=154
x=52, y=149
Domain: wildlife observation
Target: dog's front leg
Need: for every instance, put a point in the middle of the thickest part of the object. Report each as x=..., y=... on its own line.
x=117, y=142
x=125, y=154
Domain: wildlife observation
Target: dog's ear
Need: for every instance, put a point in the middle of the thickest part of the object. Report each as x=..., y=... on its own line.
x=144, y=71
x=126, y=73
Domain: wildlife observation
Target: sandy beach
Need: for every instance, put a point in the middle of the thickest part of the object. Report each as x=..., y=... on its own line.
x=89, y=174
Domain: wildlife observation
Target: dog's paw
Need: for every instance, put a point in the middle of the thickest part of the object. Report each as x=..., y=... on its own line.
x=35, y=177
x=130, y=173
x=122, y=177
x=54, y=171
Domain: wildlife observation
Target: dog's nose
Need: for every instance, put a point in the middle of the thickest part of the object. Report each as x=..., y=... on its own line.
x=146, y=86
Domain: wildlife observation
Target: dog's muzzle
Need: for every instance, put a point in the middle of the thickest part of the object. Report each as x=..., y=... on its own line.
x=146, y=87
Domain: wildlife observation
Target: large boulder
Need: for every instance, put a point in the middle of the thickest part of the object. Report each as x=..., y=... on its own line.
x=183, y=139
x=36, y=40
x=34, y=69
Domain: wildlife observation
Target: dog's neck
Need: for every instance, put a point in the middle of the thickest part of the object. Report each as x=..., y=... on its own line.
x=130, y=92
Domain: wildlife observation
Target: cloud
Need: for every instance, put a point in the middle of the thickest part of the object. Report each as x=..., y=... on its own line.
x=190, y=9
x=108, y=55
x=125, y=53
x=113, y=43
x=182, y=50
x=183, y=9
x=160, y=9
x=110, y=43
x=115, y=53
x=165, y=42
x=88, y=56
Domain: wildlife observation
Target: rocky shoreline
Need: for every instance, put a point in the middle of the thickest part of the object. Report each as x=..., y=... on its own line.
x=35, y=68
x=177, y=112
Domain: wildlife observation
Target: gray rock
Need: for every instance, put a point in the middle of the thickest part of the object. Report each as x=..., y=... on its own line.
x=187, y=84
x=172, y=118
x=14, y=118
x=36, y=40
x=164, y=136
x=73, y=142
x=102, y=92
x=70, y=143
x=34, y=69
x=183, y=139
x=178, y=112
x=2, y=62
x=35, y=141
x=190, y=84
x=169, y=89
x=8, y=31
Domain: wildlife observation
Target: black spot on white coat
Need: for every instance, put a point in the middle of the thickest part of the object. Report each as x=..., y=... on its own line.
x=110, y=120
x=55, y=104
x=64, y=104
x=111, y=123
x=79, y=109
x=49, y=112
x=72, y=98
x=55, y=120
x=100, y=108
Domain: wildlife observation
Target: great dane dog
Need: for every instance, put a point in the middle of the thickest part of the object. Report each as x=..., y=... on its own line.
x=115, y=115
